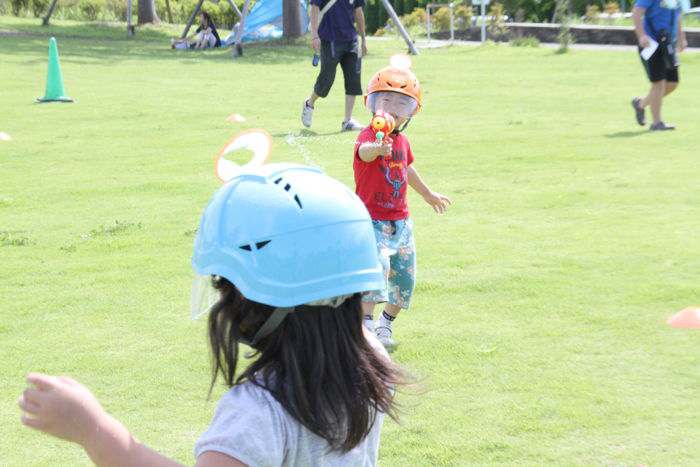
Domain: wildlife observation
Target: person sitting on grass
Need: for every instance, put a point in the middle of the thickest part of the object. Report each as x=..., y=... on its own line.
x=288, y=252
x=205, y=37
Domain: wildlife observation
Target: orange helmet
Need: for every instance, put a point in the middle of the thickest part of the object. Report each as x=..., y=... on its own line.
x=395, y=79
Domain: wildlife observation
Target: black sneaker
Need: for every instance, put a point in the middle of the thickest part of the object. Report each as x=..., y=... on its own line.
x=661, y=126
x=639, y=111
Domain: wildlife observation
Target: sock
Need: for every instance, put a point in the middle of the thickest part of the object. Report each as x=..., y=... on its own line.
x=386, y=320
x=368, y=322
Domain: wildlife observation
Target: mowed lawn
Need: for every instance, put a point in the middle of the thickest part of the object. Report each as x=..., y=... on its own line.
x=537, y=331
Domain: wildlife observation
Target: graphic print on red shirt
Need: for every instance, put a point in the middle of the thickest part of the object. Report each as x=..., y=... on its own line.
x=381, y=184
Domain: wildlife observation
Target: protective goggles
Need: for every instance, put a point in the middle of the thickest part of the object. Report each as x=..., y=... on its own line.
x=395, y=103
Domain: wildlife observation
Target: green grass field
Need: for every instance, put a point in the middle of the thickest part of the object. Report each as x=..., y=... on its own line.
x=538, y=325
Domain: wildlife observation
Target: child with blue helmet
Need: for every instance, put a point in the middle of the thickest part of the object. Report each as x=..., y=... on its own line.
x=288, y=251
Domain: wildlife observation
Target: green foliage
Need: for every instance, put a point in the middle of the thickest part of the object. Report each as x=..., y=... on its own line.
x=612, y=8
x=497, y=25
x=19, y=6
x=223, y=15
x=417, y=17
x=463, y=16
x=440, y=20
x=39, y=7
x=526, y=41
x=564, y=37
x=592, y=14
x=91, y=10
x=115, y=10
x=532, y=10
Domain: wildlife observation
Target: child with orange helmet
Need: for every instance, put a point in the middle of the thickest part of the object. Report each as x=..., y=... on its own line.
x=383, y=168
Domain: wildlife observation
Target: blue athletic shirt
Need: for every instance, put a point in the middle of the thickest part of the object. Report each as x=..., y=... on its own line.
x=660, y=15
x=338, y=24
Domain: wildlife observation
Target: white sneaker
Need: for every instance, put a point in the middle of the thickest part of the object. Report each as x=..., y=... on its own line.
x=384, y=336
x=369, y=324
x=351, y=125
x=307, y=114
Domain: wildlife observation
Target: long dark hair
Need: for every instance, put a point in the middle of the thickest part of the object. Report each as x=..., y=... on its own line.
x=317, y=364
x=207, y=17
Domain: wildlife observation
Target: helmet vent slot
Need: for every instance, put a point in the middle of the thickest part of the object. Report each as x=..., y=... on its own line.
x=258, y=246
x=288, y=187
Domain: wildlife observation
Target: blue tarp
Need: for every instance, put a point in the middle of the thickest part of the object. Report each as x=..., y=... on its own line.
x=264, y=22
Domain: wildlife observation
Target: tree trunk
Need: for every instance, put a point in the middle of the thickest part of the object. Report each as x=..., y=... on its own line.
x=147, y=12
x=291, y=19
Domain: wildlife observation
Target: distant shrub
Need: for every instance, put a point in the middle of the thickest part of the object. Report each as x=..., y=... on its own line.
x=91, y=10
x=592, y=14
x=19, y=6
x=497, y=24
x=39, y=7
x=417, y=17
x=612, y=8
x=527, y=41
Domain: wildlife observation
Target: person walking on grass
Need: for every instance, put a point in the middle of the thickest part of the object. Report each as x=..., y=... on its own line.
x=288, y=252
x=334, y=38
x=657, y=24
x=382, y=171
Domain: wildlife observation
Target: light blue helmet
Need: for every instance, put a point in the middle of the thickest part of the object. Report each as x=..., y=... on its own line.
x=287, y=235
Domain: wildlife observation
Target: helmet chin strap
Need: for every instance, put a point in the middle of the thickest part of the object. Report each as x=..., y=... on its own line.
x=268, y=326
x=403, y=127
x=278, y=315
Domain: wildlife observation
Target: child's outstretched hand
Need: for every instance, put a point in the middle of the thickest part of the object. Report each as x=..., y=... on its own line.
x=384, y=148
x=61, y=407
x=437, y=201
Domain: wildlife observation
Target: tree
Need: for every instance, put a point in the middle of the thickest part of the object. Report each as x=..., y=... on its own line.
x=291, y=19
x=147, y=12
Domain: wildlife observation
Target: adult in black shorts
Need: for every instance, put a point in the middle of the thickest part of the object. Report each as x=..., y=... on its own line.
x=657, y=24
x=334, y=38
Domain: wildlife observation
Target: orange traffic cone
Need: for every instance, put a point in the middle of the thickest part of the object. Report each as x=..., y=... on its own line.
x=686, y=318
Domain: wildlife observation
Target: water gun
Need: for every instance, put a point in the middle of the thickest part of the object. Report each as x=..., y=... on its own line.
x=383, y=124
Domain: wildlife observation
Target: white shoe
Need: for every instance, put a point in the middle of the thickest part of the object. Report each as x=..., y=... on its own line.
x=307, y=114
x=384, y=336
x=351, y=125
x=369, y=324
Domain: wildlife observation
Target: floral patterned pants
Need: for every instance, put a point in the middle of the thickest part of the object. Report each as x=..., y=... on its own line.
x=397, y=252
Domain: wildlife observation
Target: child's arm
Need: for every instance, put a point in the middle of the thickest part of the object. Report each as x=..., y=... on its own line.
x=66, y=409
x=370, y=150
x=436, y=200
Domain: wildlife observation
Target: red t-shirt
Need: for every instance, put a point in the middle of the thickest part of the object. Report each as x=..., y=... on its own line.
x=381, y=184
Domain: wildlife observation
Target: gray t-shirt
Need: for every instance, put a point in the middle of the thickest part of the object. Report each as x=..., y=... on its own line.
x=251, y=426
